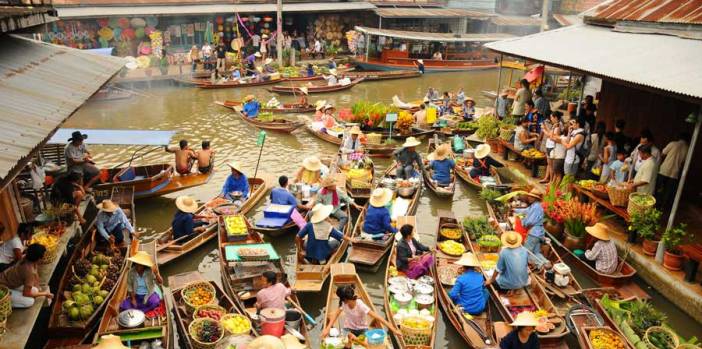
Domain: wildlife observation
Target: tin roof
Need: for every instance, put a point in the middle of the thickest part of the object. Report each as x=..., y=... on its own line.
x=115, y=137
x=431, y=13
x=41, y=85
x=660, y=11
x=625, y=57
x=438, y=37
x=515, y=21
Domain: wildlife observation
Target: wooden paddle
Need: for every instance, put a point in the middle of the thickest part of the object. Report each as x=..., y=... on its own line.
x=308, y=318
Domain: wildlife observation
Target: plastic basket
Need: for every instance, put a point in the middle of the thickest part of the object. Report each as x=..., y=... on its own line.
x=670, y=337
x=231, y=316
x=618, y=196
x=633, y=207
x=197, y=344
x=216, y=307
x=413, y=336
x=5, y=302
x=193, y=285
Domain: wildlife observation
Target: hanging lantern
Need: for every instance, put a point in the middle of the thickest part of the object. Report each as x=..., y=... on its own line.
x=123, y=22
x=138, y=22
x=151, y=21
x=268, y=19
x=117, y=33
x=114, y=22
x=219, y=20
x=149, y=30
x=139, y=33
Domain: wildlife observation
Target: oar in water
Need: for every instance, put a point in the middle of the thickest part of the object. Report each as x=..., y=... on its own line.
x=308, y=318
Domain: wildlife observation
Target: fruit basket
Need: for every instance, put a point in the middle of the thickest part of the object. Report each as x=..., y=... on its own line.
x=236, y=324
x=451, y=232
x=662, y=334
x=212, y=311
x=619, y=195
x=197, y=294
x=253, y=254
x=205, y=333
x=452, y=248
x=640, y=202
x=5, y=302
x=49, y=241
x=416, y=331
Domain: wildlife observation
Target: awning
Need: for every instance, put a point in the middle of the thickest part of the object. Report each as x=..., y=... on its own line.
x=115, y=137
x=517, y=21
x=177, y=10
x=41, y=85
x=405, y=12
x=438, y=37
x=642, y=59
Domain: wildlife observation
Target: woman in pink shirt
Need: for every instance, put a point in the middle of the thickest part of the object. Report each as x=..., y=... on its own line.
x=356, y=314
x=273, y=294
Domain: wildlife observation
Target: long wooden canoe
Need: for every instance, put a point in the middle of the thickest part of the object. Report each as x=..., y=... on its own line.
x=463, y=172
x=477, y=333
x=344, y=274
x=373, y=150
x=152, y=180
x=311, y=277
x=236, y=84
x=170, y=250
x=276, y=125
x=315, y=88
x=383, y=75
x=440, y=191
x=368, y=253
x=287, y=108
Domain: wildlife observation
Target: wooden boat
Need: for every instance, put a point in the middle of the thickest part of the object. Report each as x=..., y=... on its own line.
x=430, y=65
x=170, y=250
x=304, y=78
x=151, y=180
x=478, y=332
x=384, y=75
x=287, y=108
x=315, y=88
x=276, y=125
x=440, y=191
x=344, y=274
x=311, y=277
x=236, y=84
x=158, y=327
x=463, y=172
x=582, y=320
x=368, y=253
x=357, y=189
x=373, y=150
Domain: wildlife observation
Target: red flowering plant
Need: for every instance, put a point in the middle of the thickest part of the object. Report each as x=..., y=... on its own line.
x=555, y=199
x=370, y=114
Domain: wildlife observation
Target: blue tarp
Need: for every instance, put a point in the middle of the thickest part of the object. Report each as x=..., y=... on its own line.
x=116, y=137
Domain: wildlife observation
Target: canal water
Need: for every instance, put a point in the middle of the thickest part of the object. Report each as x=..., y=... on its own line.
x=191, y=112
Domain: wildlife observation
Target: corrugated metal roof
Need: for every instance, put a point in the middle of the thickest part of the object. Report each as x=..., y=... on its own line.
x=515, y=21
x=657, y=61
x=41, y=85
x=566, y=20
x=661, y=11
x=439, y=37
x=431, y=13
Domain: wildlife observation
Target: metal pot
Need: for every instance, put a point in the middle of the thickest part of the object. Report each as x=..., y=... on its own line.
x=424, y=301
x=131, y=318
x=403, y=299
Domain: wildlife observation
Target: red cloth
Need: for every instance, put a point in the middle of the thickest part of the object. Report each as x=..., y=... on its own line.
x=335, y=196
x=520, y=229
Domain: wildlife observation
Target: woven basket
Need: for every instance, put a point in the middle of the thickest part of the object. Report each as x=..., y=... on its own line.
x=633, y=207
x=229, y=316
x=217, y=307
x=51, y=251
x=413, y=336
x=5, y=302
x=191, y=286
x=197, y=344
x=374, y=138
x=671, y=337
x=618, y=196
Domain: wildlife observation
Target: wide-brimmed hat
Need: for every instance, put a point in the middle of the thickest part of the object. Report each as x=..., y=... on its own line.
x=440, y=153
x=234, y=165
x=110, y=341
x=411, y=142
x=327, y=181
x=107, y=206
x=304, y=90
x=426, y=100
x=332, y=72
x=468, y=259
x=320, y=104
x=312, y=163
x=77, y=135
x=257, y=54
x=268, y=61
x=355, y=130
x=320, y=212
x=482, y=151
x=511, y=239
x=599, y=231
x=186, y=204
x=291, y=342
x=266, y=342
x=327, y=107
x=525, y=318
x=249, y=97
x=420, y=61
x=535, y=193
x=380, y=197
x=143, y=258
x=469, y=99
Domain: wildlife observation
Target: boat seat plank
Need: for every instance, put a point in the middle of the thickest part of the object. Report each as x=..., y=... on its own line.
x=365, y=255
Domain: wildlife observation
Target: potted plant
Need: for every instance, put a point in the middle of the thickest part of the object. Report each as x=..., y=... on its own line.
x=477, y=226
x=489, y=243
x=576, y=216
x=672, y=239
x=489, y=129
x=645, y=224
x=551, y=200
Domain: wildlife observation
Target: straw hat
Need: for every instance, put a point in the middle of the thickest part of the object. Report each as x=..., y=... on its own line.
x=511, y=239
x=599, y=231
x=257, y=54
x=525, y=318
x=411, y=142
x=320, y=104
x=355, y=130
x=468, y=259
x=259, y=69
x=143, y=258
x=234, y=165
x=320, y=212
x=426, y=100
x=186, y=204
x=440, y=153
x=535, y=193
x=332, y=72
x=303, y=90
x=268, y=61
x=482, y=151
x=107, y=206
x=380, y=197
x=469, y=99
x=327, y=181
x=266, y=342
x=249, y=98
x=110, y=341
x=420, y=61
x=312, y=163
x=291, y=342
x=328, y=106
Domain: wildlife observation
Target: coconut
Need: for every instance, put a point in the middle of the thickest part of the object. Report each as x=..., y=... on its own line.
x=74, y=314
x=86, y=288
x=86, y=311
x=90, y=279
x=97, y=300
x=77, y=288
x=67, y=305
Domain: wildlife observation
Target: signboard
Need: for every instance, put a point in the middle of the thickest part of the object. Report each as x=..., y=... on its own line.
x=261, y=138
x=391, y=117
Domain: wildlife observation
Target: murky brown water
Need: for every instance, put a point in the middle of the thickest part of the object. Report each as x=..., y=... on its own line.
x=193, y=114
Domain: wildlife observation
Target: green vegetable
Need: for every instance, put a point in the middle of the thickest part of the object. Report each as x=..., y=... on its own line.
x=489, y=240
x=488, y=194
x=488, y=127
x=477, y=226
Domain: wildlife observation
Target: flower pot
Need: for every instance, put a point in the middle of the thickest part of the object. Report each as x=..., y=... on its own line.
x=494, y=144
x=572, y=106
x=673, y=261
x=633, y=236
x=650, y=247
x=554, y=228
x=573, y=242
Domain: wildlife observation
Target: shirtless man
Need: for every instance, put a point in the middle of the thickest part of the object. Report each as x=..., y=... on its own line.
x=184, y=157
x=204, y=158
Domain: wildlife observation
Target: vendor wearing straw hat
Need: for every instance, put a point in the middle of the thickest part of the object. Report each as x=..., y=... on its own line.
x=184, y=224
x=236, y=183
x=604, y=252
x=523, y=336
x=330, y=195
x=352, y=141
x=469, y=291
x=407, y=157
x=322, y=237
x=441, y=165
x=378, y=222
x=142, y=291
x=512, y=270
x=302, y=101
x=311, y=171
x=332, y=80
x=251, y=107
x=267, y=67
x=111, y=341
x=111, y=223
x=501, y=104
x=328, y=119
x=468, y=109
x=533, y=221
x=482, y=162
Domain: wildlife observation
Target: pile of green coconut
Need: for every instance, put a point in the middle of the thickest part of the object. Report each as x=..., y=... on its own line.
x=92, y=280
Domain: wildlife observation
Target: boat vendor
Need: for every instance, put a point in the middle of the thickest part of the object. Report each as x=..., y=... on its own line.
x=512, y=269
x=79, y=160
x=413, y=258
x=251, y=107
x=351, y=144
x=236, y=183
x=322, y=238
x=468, y=109
x=332, y=79
x=407, y=157
x=67, y=190
x=302, y=101
x=603, y=253
x=469, y=291
x=282, y=196
x=311, y=172
x=328, y=119
x=441, y=165
x=356, y=314
x=330, y=195
x=533, y=221
x=267, y=67
x=420, y=116
x=184, y=156
x=11, y=250
x=250, y=61
x=523, y=138
x=23, y=278
x=432, y=94
x=273, y=293
x=142, y=289
x=310, y=70
x=332, y=63
x=377, y=224
x=524, y=335
x=184, y=223
x=111, y=223
x=482, y=162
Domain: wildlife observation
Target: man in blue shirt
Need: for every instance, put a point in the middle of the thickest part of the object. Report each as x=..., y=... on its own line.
x=377, y=222
x=184, y=225
x=512, y=269
x=236, y=182
x=251, y=107
x=469, y=291
x=441, y=165
x=282, y=196
x=111, y=222
x=534, y=222
x=319, y=247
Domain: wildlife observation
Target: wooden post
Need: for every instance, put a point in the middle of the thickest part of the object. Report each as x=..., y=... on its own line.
x=279, y=31
x=367, y=45
x=499, y=77
x=544, y=15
